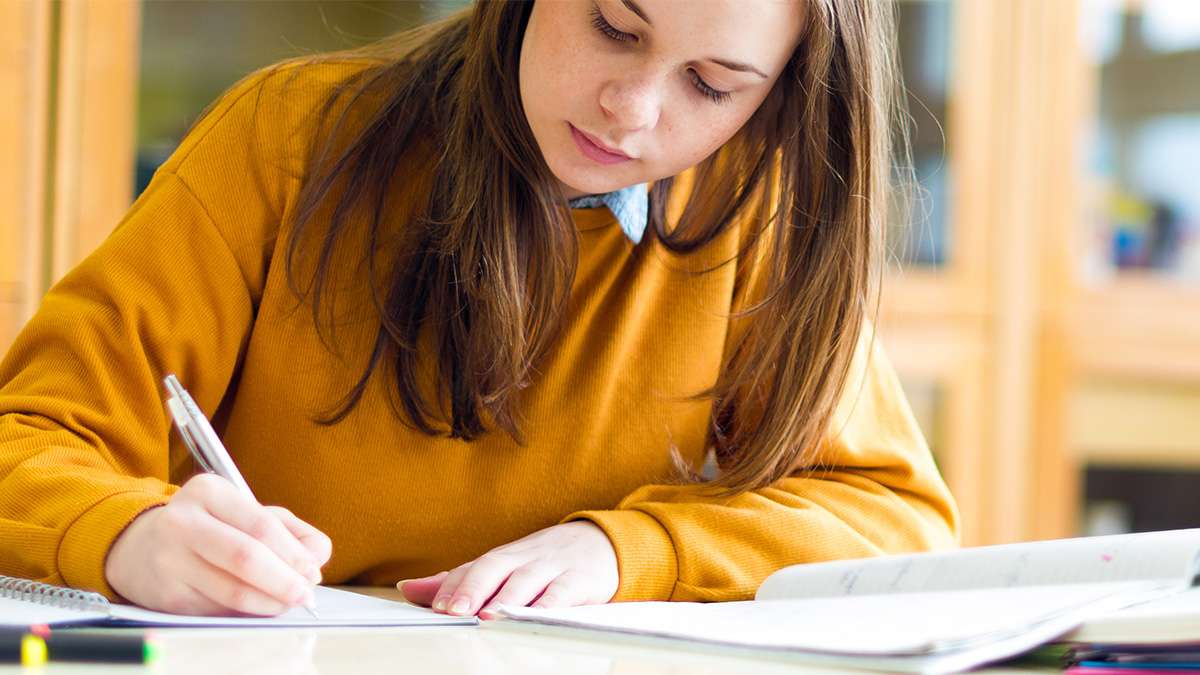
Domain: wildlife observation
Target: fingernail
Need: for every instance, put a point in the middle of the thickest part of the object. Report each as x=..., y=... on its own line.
x=440, y=604
x=400, y=584
x=459, y=605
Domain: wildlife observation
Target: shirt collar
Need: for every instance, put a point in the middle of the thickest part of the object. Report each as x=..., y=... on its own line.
x=630, y=205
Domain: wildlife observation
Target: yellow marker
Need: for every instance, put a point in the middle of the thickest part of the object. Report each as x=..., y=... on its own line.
x=33, y=651
x=19, y=646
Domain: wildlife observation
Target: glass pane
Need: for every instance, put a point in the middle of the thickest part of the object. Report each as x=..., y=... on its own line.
x=1140, y=499
x=924, y=45
x=1143, y=146
x=192, y=50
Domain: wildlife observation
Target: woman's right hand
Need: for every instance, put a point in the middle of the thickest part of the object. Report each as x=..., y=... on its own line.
x=213, y=551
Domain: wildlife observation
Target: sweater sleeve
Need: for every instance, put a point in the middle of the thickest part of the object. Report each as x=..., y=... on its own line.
x=84, y=433
x=878, y=491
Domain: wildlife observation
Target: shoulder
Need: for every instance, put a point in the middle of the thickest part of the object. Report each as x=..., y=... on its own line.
x=271, y=117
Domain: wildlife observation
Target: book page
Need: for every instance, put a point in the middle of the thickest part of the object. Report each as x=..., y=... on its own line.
x=878, y=625
x=334, y=607
x=1170, y=555
x=1172, y=619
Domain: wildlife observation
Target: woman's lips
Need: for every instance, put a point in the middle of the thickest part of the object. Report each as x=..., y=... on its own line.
x=593, y=150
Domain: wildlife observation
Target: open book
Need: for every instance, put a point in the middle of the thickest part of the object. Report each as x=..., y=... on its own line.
x=929, y=612
x=25, y=603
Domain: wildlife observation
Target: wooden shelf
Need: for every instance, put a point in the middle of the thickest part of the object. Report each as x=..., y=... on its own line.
x=1146, y=290
x=1137, y=325
x=1115, y=421
x=922, y=295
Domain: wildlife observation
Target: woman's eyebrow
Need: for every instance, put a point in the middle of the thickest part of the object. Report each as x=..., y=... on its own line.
x=739, y=67
x=633, y=7
x=731, y=65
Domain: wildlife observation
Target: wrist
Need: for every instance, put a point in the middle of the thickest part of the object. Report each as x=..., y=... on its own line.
x=647, y=567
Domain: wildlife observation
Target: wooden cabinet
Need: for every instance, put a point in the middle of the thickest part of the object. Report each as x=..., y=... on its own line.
x=1052, y=348
x=69, y=125
x=24, y=76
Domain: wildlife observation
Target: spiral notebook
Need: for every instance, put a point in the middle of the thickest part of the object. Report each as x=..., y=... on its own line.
x=25, y=603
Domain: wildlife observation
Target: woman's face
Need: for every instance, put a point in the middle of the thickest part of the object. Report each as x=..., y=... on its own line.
x=620, y=92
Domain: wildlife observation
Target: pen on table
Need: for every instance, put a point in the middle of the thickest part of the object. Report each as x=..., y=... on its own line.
x=204, y=444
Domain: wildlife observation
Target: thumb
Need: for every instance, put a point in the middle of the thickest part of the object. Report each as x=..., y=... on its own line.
x=421, y=591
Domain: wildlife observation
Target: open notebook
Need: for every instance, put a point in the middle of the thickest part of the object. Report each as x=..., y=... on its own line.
x=24, y=603
x=930, y=612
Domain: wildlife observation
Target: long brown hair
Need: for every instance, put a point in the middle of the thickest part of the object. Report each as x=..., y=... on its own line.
x=488, y=253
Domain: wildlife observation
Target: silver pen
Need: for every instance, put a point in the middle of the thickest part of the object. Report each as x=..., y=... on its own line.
x=204, y=444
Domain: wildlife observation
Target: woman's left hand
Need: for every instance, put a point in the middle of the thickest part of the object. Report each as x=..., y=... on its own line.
x=569, y=564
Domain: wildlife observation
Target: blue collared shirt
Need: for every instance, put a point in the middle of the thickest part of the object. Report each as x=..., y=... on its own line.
x=630, y=205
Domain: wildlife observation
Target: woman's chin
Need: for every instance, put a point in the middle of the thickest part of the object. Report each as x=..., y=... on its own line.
x=577, y=184
x=578, y=180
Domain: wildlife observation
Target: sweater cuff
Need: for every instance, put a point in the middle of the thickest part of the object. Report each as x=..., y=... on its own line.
x=85, y=544
x=646, y=562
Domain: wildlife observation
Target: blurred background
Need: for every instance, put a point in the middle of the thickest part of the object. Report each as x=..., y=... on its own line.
x=1043, y=309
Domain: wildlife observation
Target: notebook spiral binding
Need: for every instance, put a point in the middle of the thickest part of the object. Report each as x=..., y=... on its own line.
x=49, y=594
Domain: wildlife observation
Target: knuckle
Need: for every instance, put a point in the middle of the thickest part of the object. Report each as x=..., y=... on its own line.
x=487, y=560
x=173, y=519
x=570, y=578
x=241, y=558
x=261, y=526
x=202, y=484
x=471, y=588
x=238, y=597
x=493, y=561
x=303, y=565
x=522, y=575
x=495, y=557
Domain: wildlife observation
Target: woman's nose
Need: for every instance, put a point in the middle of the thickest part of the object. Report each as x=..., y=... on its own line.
x=632, y=103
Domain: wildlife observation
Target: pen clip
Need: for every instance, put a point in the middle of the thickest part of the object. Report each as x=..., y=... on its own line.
x=200, y=436
x=179, y=414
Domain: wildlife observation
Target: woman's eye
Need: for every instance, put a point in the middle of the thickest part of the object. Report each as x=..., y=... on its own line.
x=716, y=95
x=601, y=24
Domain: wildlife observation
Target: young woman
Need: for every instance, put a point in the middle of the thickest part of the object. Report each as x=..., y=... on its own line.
x=475, y=304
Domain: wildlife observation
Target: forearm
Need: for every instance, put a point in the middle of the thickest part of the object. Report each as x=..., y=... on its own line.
x=673, y=544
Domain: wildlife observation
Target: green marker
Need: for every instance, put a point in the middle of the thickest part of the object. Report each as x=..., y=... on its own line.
x=1054, y=655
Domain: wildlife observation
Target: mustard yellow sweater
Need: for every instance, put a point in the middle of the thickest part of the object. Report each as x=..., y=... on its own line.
x=192, y=282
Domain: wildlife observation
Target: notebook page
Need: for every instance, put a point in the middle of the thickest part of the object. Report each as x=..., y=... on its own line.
x=1171, y=619
x=1153, y=555
x=335, y=608
x=24, y=613
x=876, y=625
